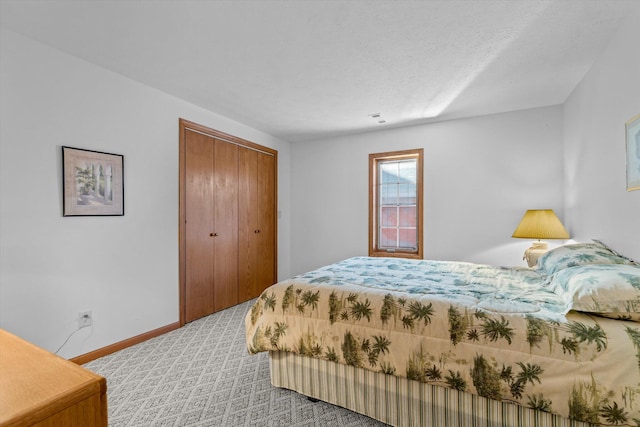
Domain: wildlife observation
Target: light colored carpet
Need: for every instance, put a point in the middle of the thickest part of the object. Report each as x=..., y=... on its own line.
x=202, y=375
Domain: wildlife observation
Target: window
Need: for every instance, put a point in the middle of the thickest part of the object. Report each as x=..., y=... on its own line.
x=395, y=204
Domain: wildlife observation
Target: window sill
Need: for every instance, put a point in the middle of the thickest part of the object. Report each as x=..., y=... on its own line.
x=397, y=254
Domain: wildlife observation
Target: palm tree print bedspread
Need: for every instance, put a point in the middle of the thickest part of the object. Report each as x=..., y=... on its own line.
x=501, y=333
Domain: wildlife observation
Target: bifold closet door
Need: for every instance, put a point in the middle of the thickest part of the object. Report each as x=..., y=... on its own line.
x=211, y=214
x=199, y=151
x=225, y=217
x=267, y=203
x=256, y=222
x=228, y=225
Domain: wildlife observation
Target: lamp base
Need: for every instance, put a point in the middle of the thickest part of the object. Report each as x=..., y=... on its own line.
x=536, y=250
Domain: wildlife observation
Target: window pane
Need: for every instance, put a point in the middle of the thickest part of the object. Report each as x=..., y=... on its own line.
x=389, y=194
x=408, y=217
x=388, y=217
x=407, y=171
x=406, y=194
x=397, y=204
x=408, y=238
x=388, y=237
x=388, y=172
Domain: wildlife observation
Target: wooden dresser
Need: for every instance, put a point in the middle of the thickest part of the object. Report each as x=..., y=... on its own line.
x=38, y=388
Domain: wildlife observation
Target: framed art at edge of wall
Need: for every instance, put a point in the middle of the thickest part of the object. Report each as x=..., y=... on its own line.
x=632, y=128
x=93, y=183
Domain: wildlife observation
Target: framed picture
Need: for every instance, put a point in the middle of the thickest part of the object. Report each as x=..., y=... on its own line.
x=93, y=183
x=633, y=153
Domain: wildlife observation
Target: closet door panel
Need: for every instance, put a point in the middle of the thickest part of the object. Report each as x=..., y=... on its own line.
x=199, y=224
x=247, y=223
x=266, y=202
x=225, y=219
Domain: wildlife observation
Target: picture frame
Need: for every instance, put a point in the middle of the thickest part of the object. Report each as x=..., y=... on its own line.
x=93, y=183
x=632, y=128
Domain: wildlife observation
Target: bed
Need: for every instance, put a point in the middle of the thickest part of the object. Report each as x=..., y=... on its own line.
x=435, y=343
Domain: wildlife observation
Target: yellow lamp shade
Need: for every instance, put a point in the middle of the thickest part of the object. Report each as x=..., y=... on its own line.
x=540, y=224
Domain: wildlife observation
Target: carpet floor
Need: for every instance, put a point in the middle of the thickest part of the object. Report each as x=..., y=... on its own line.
x=202, y=375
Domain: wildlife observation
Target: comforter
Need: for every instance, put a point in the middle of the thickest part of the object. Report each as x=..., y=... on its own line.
x=501, y=333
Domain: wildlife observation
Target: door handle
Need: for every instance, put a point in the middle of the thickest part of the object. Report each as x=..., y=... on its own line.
x=213, y=234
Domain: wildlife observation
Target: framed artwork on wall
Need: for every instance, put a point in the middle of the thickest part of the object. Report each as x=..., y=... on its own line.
x=93, y=183
x=633, y=153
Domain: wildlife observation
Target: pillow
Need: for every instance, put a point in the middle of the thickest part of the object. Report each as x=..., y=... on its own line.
x=610, y=290
x=617, y=253
x=578, y=254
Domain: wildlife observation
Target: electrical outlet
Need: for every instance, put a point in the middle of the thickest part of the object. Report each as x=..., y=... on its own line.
x=84, y=319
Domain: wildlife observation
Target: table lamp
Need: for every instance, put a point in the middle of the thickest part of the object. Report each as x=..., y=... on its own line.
x=539, y=224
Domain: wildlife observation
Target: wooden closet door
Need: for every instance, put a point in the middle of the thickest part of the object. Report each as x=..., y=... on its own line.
x=211, y=227
x=266, y=245
x=228, y=227
x=247, y=223
x=199, y=150
x=225, y=220
x=257, y=204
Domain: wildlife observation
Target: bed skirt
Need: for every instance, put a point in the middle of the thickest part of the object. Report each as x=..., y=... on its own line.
x=398, y=401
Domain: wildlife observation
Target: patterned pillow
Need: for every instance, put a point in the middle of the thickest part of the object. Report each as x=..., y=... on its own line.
x=610, y=290
x=578, y=254
x=617, y=253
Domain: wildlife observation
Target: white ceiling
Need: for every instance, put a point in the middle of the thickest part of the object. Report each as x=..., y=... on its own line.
x=304, y=70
